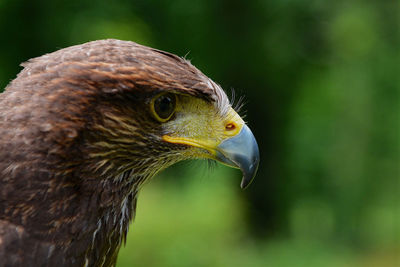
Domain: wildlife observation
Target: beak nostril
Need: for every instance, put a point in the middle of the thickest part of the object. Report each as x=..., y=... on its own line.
x=230, y=127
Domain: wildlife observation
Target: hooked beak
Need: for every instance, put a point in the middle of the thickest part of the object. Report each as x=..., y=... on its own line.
x=241, y=151
x=236, y=148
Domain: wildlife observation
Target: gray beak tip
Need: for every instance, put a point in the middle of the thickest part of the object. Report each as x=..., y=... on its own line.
x=242, y=152
x=250, y=172
x=244, y=183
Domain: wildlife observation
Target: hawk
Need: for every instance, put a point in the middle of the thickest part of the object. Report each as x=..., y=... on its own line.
x=81, y=130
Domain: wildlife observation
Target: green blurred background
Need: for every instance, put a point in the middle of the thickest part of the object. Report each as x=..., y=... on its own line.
x=321, y=84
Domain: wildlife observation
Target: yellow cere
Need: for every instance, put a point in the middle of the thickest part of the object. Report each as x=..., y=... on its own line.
x=199, y=124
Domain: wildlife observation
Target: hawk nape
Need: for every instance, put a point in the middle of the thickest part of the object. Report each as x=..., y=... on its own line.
x=82, y=128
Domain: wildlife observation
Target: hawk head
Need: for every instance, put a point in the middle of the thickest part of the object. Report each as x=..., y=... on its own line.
x=82, y=128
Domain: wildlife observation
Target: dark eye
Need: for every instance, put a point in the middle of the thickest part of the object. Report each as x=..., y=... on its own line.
x=164, y=106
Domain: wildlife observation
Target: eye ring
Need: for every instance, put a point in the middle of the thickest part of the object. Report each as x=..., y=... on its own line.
x=163, y=106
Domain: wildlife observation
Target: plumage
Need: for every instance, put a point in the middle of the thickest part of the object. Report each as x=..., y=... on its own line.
x=78, y=139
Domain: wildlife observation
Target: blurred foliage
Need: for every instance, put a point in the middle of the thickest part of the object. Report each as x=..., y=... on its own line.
x=322, y=90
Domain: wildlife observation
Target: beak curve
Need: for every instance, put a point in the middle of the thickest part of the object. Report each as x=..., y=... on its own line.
x=240, y=151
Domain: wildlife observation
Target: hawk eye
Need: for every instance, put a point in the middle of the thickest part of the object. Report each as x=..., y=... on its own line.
x=163, y=106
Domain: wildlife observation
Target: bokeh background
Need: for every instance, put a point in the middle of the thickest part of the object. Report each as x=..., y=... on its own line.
x=321, y=84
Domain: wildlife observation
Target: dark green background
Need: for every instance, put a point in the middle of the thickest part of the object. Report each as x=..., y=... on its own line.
x=321, y=84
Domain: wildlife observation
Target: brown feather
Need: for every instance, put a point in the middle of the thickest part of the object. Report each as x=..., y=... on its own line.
x=75, y=145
